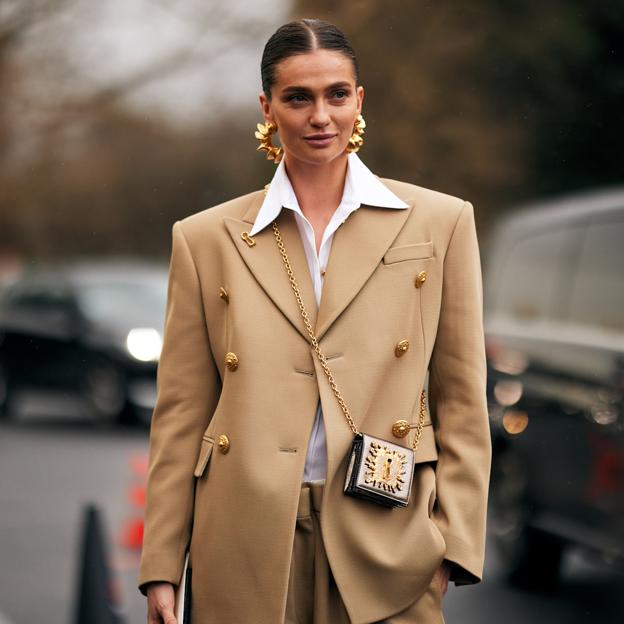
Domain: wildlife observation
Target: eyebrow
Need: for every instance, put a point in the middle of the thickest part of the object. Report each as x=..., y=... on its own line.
x=335, y=85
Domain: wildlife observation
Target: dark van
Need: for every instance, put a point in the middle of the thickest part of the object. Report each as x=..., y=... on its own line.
x=554, y=322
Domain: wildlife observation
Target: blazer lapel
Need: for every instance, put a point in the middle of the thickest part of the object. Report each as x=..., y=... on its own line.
x=357, y=248
x=267, y=266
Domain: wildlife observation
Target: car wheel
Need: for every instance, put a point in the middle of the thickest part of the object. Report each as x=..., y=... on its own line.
x=531, y=558
x=104, y=391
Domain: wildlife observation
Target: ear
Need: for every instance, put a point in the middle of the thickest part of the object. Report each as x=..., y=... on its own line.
x=265, y=107
x=359, y=93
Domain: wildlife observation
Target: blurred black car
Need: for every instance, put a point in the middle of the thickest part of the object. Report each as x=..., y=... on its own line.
x=554, y=321
x=87, y=329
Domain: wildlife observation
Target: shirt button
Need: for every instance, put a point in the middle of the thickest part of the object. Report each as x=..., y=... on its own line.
x=323, y=272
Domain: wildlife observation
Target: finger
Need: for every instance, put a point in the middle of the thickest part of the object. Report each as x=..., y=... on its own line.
x=161, y=614
x=168, y=616
x=160, y=619
x=152, y=616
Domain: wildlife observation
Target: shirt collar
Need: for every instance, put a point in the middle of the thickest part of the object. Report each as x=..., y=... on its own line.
x=361, y=187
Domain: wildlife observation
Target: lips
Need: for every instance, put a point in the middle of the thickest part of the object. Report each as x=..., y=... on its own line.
x=320, y=140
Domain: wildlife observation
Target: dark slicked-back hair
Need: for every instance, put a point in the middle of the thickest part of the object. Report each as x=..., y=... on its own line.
x=300, y=37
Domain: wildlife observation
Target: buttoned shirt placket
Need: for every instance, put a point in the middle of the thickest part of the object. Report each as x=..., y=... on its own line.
x=316, y=458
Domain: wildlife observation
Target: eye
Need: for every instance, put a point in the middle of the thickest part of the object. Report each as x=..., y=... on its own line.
x=296, y=97
x=341, y=94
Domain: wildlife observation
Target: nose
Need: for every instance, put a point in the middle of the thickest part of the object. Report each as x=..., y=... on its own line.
x=320, y=115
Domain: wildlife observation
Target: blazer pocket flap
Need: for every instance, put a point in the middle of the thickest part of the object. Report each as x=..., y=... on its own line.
x=204, y=456
x=413, y=251
x=427, y=449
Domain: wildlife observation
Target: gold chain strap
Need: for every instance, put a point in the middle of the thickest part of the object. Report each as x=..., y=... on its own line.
x=321, y=357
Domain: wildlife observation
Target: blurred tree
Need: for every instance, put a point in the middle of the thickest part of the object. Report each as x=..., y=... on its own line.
x=559, y=73
x=120, y=184
x=16, y=21
x=81, y=172
x=493, y=101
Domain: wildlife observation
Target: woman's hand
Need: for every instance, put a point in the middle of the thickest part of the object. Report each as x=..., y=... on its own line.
x=160, y=603
x=442, y=574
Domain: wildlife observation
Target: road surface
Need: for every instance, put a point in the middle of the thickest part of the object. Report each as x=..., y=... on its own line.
x=52, y=467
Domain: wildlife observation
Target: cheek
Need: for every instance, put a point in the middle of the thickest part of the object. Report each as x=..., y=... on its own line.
x=289, y=125
x=286, y=136
x=347, y=120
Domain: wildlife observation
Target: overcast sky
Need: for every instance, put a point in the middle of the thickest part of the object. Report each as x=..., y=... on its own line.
x=103, y=42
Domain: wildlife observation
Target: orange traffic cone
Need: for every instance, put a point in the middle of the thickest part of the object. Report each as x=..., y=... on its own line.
x=131, y=533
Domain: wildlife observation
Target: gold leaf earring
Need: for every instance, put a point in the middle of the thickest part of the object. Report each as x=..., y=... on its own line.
x=264, y=134
x=356, y=141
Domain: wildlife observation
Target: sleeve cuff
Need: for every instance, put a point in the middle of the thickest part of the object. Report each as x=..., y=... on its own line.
x=466, y=567
x=159, y=568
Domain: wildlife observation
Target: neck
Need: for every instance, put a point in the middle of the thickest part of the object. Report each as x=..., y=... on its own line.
x=318, y=188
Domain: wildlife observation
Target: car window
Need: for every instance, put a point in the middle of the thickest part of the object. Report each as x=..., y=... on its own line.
x=597, y=295
x=35, y=298
x=140, y=302
x=529, y=283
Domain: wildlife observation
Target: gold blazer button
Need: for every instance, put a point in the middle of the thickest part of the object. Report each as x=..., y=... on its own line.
x=231, y=361
x=400, y=428
x=420, y=279
x=401, y=348
x=224, y=294
x=223, y=443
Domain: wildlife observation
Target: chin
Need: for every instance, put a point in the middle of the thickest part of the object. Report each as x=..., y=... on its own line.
x=318, y=156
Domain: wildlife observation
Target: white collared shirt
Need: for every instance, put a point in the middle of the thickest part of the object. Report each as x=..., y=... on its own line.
x=361, y=187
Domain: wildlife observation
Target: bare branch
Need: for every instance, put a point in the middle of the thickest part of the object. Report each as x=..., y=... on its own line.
x=17, y=18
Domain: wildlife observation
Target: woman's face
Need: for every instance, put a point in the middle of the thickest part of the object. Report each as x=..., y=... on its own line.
x=314, y=103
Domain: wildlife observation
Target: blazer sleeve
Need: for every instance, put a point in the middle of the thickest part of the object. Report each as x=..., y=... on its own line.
x=458, y=405
x=187, y=392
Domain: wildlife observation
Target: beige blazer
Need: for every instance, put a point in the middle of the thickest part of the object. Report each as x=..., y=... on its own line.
x=228, y=443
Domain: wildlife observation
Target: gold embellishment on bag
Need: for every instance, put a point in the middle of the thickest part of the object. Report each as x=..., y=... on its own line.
x=385, y=468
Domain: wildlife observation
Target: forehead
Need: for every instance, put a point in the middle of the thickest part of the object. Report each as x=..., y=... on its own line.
x=314, y=69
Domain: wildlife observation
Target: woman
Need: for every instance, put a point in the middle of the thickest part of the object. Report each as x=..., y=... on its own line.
x=250, y=441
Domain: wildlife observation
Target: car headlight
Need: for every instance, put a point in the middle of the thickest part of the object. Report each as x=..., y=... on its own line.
x=144, y=344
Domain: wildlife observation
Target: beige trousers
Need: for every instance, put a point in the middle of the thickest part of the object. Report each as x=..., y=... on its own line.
x=313, y=597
